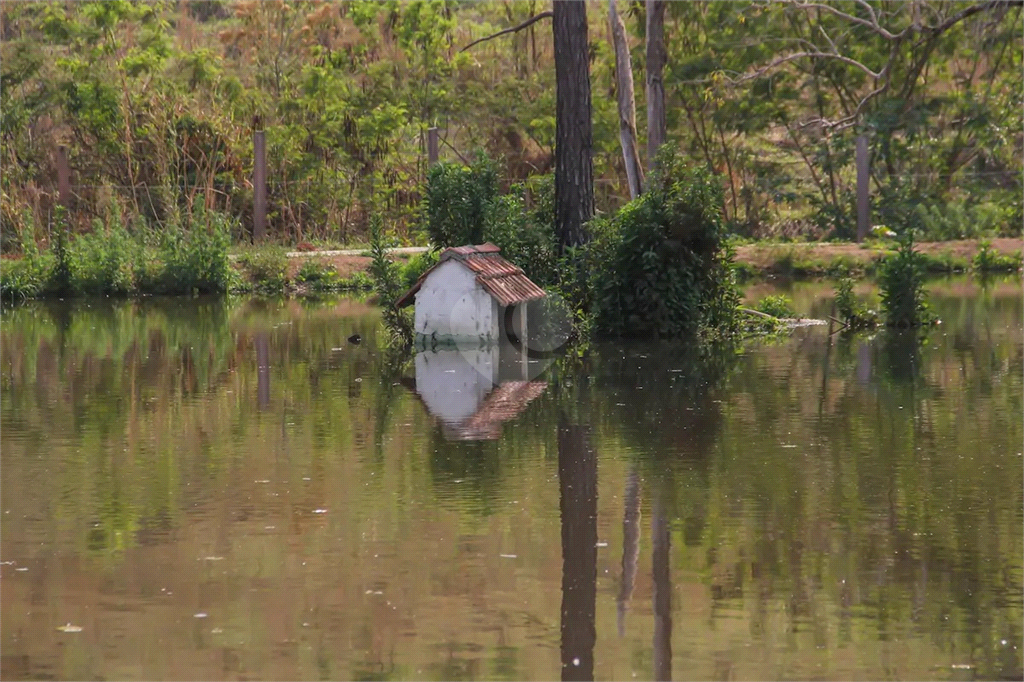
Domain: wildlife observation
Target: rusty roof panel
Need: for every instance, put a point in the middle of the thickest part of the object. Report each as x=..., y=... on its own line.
x=511, y=289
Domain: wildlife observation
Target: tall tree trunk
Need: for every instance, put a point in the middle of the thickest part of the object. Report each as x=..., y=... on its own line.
x=577, y=478
x=574, y=165
x=657, y=57
x=627, y=103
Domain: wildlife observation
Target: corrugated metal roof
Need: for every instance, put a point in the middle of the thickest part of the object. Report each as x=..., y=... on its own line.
x=504, y=281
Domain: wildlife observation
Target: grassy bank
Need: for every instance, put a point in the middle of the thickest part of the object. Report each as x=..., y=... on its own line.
x=829, y=259
x=111, y=262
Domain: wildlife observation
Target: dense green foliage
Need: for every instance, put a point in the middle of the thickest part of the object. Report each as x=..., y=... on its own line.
x=776, y=305
x=189, y=257
x=854, y=314
x=157, y=102
x=902, y=287
x=463, y=205
x=659, y=267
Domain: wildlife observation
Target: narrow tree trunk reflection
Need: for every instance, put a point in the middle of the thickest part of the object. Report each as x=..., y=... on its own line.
x=577, y=477
x=630, y=546
x=662, y=592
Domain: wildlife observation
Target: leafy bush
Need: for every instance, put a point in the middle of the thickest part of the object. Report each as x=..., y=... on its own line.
x=102, y=263
x=266, y=269
x=902, y=283
x=659, y=267
x=197, y=260
x=462, y=206
x=851, y=311
x=528, y=243
x=318, y=275
x=457, y=202
x=416, y=266
x=776, y=306
x=988, y=259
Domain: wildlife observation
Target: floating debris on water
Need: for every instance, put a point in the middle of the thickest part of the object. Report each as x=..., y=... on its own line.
x=21, y=569
x=319, y=511
x=69, y=628
x=212, y=558
x=509, y=556
x=374, y=592
x=199, y=615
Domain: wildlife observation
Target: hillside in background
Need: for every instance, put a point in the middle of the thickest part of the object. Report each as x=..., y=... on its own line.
x=157, y=102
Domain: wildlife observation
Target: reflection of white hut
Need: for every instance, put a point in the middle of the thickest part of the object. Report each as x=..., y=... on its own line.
x=463, y=390
x=469, y=294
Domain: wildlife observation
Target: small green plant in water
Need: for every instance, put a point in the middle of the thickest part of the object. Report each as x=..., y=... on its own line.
x=388, y=284
x=851, y=311
x=777, y=306
x=902, y=283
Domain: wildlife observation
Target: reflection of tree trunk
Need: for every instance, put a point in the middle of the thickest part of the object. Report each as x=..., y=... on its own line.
x=577, y=477
x=630, y=546
x=263, y=370
x=662, y=593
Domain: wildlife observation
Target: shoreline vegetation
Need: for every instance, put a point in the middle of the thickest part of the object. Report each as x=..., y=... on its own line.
x=308, y=270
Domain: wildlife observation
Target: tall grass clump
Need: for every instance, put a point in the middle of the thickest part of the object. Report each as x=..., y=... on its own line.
x=388, y=284
x=196, y=260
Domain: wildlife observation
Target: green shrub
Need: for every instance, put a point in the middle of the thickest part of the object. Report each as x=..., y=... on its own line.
x=102, y=262
x=523, y=241
x=658, y=267
x=266, y=269
x=851, y=311
x=457, y=201
x=776, y=306
x=359, y=281
x=196, y=260
x=318, y=275
x=26, y=277
x=462, y=206
x=416, y=266
x=902, y=284
x=988, y=259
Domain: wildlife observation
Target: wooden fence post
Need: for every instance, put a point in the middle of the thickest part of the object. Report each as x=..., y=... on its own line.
x=432, y=146
x=863, y=189
x=259, y=185
x=63, y=179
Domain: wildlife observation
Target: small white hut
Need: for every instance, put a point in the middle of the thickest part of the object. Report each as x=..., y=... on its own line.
x=469, y=295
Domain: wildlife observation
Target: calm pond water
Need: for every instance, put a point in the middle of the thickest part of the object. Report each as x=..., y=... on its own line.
x=229, y=489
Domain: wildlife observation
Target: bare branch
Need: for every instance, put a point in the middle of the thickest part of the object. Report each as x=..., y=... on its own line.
x=532, y=20
x=812, y=55
x=873, y=24
x=964, y=13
